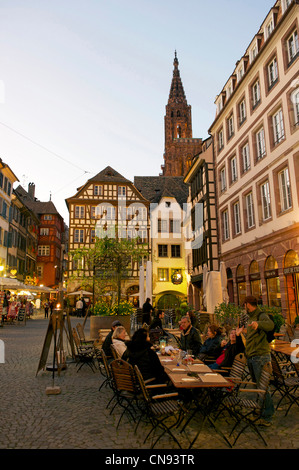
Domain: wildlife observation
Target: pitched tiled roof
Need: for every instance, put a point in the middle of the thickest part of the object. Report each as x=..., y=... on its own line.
x=38, y=207
x=109, y=175
x=154, y=188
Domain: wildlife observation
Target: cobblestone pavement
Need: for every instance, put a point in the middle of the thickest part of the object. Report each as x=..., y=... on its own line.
x=78, y=418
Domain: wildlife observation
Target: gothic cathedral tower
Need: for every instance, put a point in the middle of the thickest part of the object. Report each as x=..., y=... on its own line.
x=180, y=147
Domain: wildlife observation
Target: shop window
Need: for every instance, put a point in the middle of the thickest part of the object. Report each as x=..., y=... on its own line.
x=291, y=272
x=272, y=282
x=241, y=284
x=255, y=280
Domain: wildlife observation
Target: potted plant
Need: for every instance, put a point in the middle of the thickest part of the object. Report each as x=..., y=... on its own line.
x=102, y=316
x=227, y=315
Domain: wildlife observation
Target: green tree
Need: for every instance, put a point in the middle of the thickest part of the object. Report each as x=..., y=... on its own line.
x=109, y=260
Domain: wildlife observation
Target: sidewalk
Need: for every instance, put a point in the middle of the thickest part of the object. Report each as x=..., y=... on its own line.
x=78, y=418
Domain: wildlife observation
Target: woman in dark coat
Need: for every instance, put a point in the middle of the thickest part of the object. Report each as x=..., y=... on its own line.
x=139, y=353
x=212, y=345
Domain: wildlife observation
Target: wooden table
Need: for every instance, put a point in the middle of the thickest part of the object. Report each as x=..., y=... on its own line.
x=285, y=348
x=206, y=381
x=173, y=331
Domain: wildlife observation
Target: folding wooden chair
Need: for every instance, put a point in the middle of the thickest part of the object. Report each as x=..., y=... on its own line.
x=162, y=411
x=81, y=334
x=126, y=387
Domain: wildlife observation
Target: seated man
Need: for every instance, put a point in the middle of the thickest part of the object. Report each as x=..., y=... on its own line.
x=190, y=338
x=108, y=340
x=157, y=322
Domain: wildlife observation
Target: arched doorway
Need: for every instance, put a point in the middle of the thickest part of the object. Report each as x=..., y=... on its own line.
x=255, y=281
x=169, y=301
x=241, y=284
x=190, y=294
x=291, y=272
x=272, y=282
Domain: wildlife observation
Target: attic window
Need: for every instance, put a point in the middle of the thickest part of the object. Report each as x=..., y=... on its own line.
x=167, y=203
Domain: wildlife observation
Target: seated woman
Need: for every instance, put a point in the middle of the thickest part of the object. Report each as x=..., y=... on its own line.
x=212, y=345
x=118, y=340
x=139, y=352
x=230, y=349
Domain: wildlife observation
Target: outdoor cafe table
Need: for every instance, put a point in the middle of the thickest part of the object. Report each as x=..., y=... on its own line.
x=209, y=384
x=285, y=347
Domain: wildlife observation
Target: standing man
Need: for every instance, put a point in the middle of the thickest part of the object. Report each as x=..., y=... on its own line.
x=79, y=307
x=190, y=338
x=147, y=309
x=257, y=350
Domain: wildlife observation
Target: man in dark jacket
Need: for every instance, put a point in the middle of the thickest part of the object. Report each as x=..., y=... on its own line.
x=190, y=338
x=257, y=349
x=108, y=340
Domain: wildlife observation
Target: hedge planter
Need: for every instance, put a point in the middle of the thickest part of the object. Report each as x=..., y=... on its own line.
x=98, y=322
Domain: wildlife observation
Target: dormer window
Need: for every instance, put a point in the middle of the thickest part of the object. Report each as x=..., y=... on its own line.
x=269, y=28
x=253, y=53
x=240, y=73
x=285, y=5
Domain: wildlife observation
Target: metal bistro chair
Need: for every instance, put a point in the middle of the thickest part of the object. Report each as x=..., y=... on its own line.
x=155, y=334
x=285, y=384
x=245, y=411
x=85, y=355
x=236, y=373
x=160, y=409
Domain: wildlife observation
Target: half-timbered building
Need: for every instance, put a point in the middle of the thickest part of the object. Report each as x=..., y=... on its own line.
x=107, y=204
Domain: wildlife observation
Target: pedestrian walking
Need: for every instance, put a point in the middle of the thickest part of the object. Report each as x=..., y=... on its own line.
x=46, y=307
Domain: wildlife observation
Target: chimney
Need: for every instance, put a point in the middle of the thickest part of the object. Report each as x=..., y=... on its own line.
x=31, y=190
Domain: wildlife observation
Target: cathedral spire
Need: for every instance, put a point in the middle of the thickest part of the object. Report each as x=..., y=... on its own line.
x=177, y=94
x=180, y=147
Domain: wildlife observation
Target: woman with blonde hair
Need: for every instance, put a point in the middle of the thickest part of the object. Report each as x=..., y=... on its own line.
x=118, y=340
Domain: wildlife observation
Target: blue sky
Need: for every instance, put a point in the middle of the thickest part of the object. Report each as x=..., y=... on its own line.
x=84, y=84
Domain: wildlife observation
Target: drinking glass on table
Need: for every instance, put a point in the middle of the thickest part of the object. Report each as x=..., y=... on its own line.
x=189, y=356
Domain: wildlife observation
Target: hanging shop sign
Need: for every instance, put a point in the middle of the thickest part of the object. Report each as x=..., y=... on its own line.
x=177, y=278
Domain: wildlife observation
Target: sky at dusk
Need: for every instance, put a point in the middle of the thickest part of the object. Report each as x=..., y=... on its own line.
x=84, y=84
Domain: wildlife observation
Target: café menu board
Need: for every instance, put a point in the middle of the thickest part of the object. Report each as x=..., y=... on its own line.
x=21, y=314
